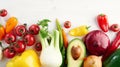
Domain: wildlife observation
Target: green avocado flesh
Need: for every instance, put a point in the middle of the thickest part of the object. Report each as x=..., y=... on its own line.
x=76, y=62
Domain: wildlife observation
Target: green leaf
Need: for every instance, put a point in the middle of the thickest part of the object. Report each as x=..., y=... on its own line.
x=44, y=33
x=44, y=22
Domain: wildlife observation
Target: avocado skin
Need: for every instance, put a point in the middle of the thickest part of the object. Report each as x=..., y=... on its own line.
x=79, y=61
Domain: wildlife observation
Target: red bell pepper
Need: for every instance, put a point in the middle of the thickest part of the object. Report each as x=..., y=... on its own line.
x=115, y=44
x=103, y=22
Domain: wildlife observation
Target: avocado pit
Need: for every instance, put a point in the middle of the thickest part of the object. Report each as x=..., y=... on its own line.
x=76, y=51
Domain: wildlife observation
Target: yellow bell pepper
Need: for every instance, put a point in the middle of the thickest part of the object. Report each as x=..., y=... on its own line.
x=79, y=31
x=28, y=58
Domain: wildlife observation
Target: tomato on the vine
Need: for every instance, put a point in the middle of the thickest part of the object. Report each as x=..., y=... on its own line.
x=9, y=52
x=10, y=38
x=19, y=46
x=38, y=46
x=34, y=29
x=20, y=30
x=29, y=39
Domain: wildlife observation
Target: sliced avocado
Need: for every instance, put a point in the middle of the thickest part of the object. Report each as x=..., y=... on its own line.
x=76, y=53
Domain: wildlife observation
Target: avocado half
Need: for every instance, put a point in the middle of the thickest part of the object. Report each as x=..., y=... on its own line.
x=76, y=62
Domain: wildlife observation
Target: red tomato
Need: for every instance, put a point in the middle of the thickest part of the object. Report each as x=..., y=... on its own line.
x=19, y=46
x=29, y=39
x=115, y=27
x=38, y=46
x=67, y=24
x=3, y=12
x=20, y=30
x=10, y=38
x=34, y=29
x=9, y=52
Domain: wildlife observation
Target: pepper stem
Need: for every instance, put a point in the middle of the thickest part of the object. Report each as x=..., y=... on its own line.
x=101, y=14
x=88, y=27
x=0, y=25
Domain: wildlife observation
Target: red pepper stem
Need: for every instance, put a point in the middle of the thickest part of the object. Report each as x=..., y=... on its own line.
x=102, y=14
x=115, y=44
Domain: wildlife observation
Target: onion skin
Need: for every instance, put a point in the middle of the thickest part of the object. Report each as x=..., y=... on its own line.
x=97, y=42
x=93, y=61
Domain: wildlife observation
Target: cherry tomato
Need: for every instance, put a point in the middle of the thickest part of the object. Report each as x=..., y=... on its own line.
x=34, y=29
x=9, y=52
x=10, y=38
x=115, y=27
x=38, y=46
x=19, y=46
x=20, y=30
x=29, y=39
x=3, y=12
x=67, y=24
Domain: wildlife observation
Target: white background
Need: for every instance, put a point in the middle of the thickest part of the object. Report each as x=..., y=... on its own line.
x=79, y=12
